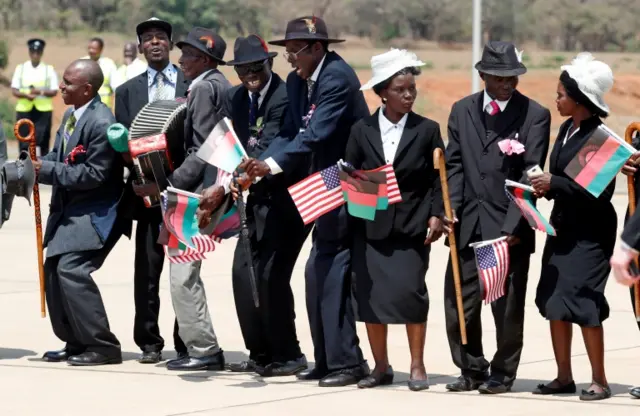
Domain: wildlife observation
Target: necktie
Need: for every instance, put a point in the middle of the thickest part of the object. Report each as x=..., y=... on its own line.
x=493, y=108
x=69, y=126
x=253, y=110
x=162, y=90
x=310, y=84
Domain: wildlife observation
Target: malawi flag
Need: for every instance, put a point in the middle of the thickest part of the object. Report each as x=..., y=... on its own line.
x=599, y=160
x=361, y=193
x=523, y=197
x=222, y=148
x=229, y=225
x=179, y=214
x=388, y=192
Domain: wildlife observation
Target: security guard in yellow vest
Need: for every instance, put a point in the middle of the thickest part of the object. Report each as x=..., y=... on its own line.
x=109, y=70
x=35, y=84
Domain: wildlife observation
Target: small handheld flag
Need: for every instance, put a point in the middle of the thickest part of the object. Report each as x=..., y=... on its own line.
x=599, y=160
x=492, y=260
x=222, y=148
x=522, y=196
x=317, y=194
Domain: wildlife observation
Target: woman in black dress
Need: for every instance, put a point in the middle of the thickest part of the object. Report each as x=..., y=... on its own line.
x=575, y=263
x=391, y=253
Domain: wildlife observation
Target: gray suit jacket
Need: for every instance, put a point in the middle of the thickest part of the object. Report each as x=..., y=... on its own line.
x=86, y=191
x=205, y=104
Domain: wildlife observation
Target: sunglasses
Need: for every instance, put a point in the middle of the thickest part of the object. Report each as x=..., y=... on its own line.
x=252, y=68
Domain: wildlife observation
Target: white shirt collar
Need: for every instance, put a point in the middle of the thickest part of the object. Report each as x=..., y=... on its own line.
x=199, y=78
x=263, y=91
x=501, y=104
x=316, y=73
x=386, y=125
x=169, y=71
x=78, y=112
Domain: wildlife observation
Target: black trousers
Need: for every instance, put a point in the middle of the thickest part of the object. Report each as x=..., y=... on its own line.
x=42, y=123
x=76, y=310
x=508, y=315
x=269, y=332
x=149, y=261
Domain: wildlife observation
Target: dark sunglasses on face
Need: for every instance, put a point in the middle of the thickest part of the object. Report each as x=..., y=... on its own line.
x=249, y=68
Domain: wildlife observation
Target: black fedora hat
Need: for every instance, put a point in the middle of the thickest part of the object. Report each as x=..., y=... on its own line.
x=155, y=23
x=250, y=49
x=500, y=59
x=206, y=41
x=19, y=176
x=306, y=28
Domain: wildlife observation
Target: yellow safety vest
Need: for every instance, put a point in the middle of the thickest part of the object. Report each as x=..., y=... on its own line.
x=105, y=90
x=43, y=104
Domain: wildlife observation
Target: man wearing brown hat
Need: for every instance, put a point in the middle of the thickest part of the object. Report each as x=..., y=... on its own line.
x=257, y=108
x=202, y=52
x=324, y=102
x=477, y=169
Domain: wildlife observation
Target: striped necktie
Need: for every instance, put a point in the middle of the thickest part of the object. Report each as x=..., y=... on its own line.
x=162, y=90
x=493, y=108
x=69, y=127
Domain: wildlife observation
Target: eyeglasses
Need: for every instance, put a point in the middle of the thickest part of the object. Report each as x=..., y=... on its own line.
x=288, y=55
x=252, y=68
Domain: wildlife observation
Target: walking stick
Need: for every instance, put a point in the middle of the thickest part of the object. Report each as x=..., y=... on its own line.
x=244, y=236
x=438, y=163
x=632, y=128
x=31, y=139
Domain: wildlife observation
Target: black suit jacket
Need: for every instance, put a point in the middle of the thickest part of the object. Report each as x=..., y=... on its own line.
x=131, y=96
x=86, y=192
x=418, y=181
x=301, y=151
x=477, y=169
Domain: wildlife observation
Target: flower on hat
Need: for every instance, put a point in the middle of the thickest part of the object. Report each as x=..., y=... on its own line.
x=208, y=41
x=594, y=78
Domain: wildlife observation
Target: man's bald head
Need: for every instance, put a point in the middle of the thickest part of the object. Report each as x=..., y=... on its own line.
x=130, y=52
x=81, y=81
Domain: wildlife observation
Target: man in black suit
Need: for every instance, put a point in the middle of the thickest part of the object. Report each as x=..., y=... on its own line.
x=83, y=227
x=477, y=170
x=161, y=80
x=257, y=108
x=324, y=102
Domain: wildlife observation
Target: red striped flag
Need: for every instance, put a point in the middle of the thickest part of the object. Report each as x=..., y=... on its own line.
x=393, y=191
x=492, y=260
x=317, y=194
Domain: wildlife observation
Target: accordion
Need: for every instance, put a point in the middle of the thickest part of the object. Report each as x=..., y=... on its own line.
x=156, y=144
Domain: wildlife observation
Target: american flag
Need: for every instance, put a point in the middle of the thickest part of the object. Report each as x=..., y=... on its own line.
x=492, y=258
x=393, y=192
x=317, y=194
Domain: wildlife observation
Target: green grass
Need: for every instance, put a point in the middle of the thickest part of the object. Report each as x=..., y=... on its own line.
x=7, y=117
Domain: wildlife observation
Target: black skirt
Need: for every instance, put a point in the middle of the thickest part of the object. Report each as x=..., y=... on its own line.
x=389, y=280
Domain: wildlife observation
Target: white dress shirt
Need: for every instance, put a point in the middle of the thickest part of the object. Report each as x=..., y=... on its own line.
x=273, y=166
x=78, y=112
x=487, y=106
x=390, y=134
x=171, y=79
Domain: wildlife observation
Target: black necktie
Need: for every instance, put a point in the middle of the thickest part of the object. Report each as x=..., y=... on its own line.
x=253, y=110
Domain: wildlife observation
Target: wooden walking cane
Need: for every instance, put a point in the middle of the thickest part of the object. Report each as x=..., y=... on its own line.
x=632, y=128
x=31, y=139
x=438, y=163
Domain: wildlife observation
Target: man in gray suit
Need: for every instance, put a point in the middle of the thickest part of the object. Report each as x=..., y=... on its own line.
x=86, y=177
x=202, y=52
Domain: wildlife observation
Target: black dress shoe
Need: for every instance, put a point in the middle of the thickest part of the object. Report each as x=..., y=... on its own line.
x=150, y=357
x=345, y=377
x=494, y=387
x=635, y=392
x=213, y=362
x=248, y=366
x=93, y=358
x=464, y=383
x=312, y=374
x=544, y=389
x=59, y=356
x=418, y=385
x=380, y=379
x=289, y=368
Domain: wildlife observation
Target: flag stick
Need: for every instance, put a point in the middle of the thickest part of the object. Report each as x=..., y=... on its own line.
x=31, y=139
x=633, y=127
x=438, y=163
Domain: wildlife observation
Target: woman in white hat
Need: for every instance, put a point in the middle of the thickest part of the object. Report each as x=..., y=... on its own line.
x=391, y=253
x=575, y=263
